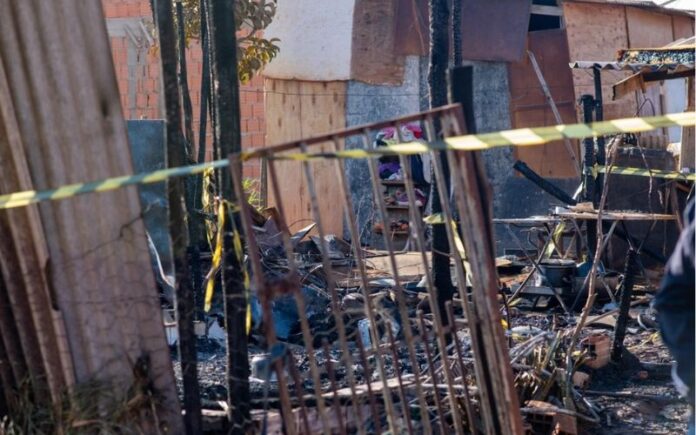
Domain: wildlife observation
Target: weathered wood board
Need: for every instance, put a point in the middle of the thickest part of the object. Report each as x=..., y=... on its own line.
x=647, y=29
x=529, y=107
x=596, y=33
x=295, y=110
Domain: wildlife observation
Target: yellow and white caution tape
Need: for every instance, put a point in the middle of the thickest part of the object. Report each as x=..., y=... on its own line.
x=472, y=142
x=656, y=173
x=517, y=137
x=27, y=197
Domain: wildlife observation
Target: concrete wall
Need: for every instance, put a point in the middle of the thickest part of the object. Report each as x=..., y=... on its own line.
x=372, y=103
x=513, y=196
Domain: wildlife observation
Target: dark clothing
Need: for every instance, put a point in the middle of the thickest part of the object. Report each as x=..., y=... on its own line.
x=675, y=303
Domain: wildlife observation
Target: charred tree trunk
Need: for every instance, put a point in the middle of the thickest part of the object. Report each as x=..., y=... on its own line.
x=177, y=156
x=437, y=82
x=221, y=26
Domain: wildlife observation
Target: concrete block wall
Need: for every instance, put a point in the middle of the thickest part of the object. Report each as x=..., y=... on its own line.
x=136, y=62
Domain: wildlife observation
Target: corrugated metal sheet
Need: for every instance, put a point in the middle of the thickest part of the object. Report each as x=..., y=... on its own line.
x=634, y=67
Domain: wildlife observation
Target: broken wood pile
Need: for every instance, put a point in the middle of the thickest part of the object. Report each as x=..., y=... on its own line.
x=383, y=344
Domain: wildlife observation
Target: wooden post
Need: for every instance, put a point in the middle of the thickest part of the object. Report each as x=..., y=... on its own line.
x=178, y=231
x=630, y=271
x=687, y=155
x=221, y=26
x=473, y=197
x=437, y=83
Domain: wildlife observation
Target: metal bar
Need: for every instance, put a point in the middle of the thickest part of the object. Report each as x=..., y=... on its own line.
x=340, y=326
x=397, y=369
x=401, y=303
x=367, y=373
x=334, y=389
x=475, y=209
x=468, y=407
x=299, y=300
x=431, y=369
x=355, y=237
x=353, y=131
x=417, y=224
x=300, y=391
x=460, y=271
x=601, y=148
x=264, y=295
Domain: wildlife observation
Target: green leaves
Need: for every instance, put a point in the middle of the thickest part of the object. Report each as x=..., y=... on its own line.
x=252, y=17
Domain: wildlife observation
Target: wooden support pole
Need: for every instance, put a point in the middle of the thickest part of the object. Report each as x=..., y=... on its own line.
x=221, y=26
x=178, y=228
x=630, y=271
x=473, y=197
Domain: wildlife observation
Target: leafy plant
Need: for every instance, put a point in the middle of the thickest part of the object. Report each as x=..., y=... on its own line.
x=252, y=17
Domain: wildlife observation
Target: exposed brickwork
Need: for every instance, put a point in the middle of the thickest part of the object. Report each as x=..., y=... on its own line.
x=138, y=74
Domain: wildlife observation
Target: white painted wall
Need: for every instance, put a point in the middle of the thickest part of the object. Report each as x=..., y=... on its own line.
x=675, y=102
x=315, y=40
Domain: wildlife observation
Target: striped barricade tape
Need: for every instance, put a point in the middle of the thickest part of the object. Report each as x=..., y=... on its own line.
x=656, y=173
x=518, y=137
x=27, y=197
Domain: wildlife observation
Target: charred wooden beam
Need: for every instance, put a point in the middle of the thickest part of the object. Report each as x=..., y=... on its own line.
x=177, y=155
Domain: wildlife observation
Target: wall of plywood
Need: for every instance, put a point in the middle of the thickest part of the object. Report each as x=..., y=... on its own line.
x=528, y=105
x=300, y=109
x=647, y=29
x=596, y=33
x=682, y=27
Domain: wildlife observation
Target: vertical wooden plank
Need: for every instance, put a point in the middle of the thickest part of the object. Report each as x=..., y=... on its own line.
x=23, y=264
x=284, y=123
x=323, y=110
x=63, y=88
x=687, y=156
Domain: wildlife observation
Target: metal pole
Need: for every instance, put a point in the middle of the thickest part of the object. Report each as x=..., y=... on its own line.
x=601, y=149
x=588, y=161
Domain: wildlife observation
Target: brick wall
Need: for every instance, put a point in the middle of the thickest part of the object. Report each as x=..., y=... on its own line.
x=136, y=62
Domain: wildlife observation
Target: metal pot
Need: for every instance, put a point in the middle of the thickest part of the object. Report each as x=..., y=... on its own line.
x=557, y=273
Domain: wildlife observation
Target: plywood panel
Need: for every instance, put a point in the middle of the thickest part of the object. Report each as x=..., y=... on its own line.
x=294, y=110
x=595, y=33
x=528, y=105
x=648, y=29
x=411, y=27
x=373, y=56
x=682, y=27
